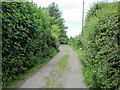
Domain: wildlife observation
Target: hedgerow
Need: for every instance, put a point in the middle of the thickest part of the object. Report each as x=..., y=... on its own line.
x=101, y=42
x=26, y=38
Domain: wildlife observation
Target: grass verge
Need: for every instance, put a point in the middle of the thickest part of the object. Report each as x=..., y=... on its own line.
x=53, y=81
x=21, y=78
x=80, y=53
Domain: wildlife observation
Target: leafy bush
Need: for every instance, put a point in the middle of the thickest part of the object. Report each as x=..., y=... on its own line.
x=26, y=38
x=101, y=46
x=101, y=42
x=76, y=42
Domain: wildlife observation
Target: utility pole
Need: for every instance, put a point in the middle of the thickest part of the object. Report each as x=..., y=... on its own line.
x=83, y=16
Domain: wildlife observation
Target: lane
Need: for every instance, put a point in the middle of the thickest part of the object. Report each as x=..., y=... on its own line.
x=73, y=77
x=38, y=78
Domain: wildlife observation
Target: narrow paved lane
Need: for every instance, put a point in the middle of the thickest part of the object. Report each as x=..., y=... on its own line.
x=71, y=78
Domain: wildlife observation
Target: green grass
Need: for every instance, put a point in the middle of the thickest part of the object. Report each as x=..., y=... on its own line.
x=53, y=81
x=21, y=78
x=67, y=50
x=63, y=62
x=81, y=53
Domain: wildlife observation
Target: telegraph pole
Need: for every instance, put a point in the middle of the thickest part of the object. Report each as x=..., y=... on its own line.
x=83, y=16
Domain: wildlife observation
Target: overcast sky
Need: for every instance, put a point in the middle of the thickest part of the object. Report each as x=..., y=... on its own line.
x=71, y=12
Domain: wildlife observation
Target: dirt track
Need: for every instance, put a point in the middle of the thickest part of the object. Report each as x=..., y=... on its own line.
x=71, y=77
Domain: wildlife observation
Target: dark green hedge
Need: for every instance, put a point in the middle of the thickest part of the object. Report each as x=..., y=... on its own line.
x=26, y=38
x=101, y=40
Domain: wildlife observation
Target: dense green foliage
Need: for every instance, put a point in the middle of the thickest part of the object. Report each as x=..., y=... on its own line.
x=27, y=38
x=100, y=43
x=76, y=42
x=57, y=23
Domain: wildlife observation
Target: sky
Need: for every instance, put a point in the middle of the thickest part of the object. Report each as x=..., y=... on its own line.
x=71, y=12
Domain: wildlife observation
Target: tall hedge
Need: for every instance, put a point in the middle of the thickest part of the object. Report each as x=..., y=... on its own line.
x=98, y=46
x=26, y=38
x=101, y=41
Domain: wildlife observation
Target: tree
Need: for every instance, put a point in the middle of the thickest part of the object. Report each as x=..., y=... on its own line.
x=55, y=19
x=54, y=11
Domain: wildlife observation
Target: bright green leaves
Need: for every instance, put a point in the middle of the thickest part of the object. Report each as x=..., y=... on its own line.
x=100, y=41
x=55, y=31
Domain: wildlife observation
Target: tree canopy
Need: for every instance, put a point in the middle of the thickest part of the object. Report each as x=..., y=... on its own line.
x=57, y=23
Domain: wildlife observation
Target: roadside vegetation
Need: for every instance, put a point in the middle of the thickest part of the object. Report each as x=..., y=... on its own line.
x=29, y=37
x=99, y=46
